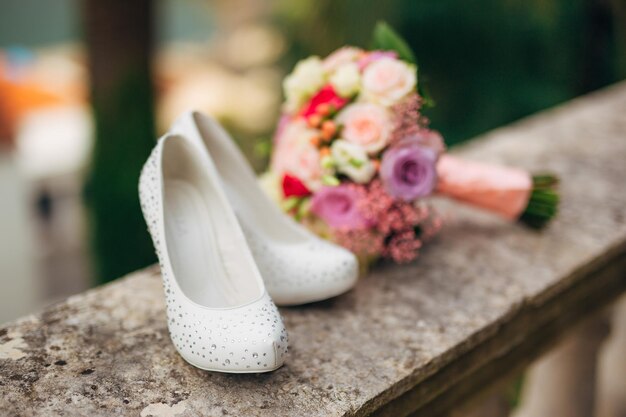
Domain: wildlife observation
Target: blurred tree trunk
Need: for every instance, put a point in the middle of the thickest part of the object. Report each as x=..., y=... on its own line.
x=119, y=41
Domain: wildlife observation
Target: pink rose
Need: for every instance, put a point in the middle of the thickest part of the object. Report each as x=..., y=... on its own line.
x=339, y=206
x=283, y=122
x=367, y=125
x=370, y=57
x=340, y=57
x=387, y=81
x=295, y=155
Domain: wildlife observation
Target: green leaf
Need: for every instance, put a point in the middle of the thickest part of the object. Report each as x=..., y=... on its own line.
x=327, y=162
x=330, y=180
x=291, y=203
x=357, y=163
x=263, y=148
x=387, y=39
x=304, y=208
x=427, y=99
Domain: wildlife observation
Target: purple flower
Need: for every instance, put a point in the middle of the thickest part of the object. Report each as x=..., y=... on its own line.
x=338, y=206
x=408, y=171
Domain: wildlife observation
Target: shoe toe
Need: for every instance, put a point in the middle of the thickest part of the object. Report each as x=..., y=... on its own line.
x=246, y=339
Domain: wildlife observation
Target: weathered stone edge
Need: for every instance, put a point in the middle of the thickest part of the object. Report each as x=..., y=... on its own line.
x=530, y=328
x=421, y=395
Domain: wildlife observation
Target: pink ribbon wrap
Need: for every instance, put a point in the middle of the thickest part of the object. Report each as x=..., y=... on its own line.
x=499, y=189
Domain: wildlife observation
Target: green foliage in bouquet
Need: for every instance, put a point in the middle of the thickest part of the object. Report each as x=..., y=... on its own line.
x=387, y=39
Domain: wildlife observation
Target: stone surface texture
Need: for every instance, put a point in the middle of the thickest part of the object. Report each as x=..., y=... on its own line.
x=408, y=333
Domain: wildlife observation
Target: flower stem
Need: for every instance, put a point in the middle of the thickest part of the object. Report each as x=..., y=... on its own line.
x=543, y=202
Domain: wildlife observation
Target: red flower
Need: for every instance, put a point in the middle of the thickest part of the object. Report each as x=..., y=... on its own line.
x=292, y=186
x=327, y=95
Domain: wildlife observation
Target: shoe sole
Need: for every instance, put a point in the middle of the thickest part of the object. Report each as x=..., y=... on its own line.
x=223, y=371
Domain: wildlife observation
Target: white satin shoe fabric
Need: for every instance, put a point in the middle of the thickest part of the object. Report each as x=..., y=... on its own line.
x=220, y=316
x=297, y=266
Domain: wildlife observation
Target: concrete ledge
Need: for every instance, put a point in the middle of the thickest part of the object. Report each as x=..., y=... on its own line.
x=485, y=298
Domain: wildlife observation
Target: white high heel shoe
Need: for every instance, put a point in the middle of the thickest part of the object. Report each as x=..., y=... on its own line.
x=220, y=316
x=297, y=266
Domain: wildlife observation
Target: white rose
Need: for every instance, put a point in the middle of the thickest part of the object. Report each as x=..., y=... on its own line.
x=346, y=80
x=388, y=80
x=352, y=160
x=306, y=78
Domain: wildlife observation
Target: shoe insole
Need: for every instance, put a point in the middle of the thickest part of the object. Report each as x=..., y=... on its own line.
x=205, y=254
x=254, y=208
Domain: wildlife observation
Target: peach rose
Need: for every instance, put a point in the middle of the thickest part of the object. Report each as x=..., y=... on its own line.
x=387, y=81
x=367, y=125
x=295, y=155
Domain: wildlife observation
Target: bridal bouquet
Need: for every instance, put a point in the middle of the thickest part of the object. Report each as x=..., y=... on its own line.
x=355, y=160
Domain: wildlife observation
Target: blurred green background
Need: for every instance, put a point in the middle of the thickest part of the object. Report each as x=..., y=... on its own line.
x=486, y=63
